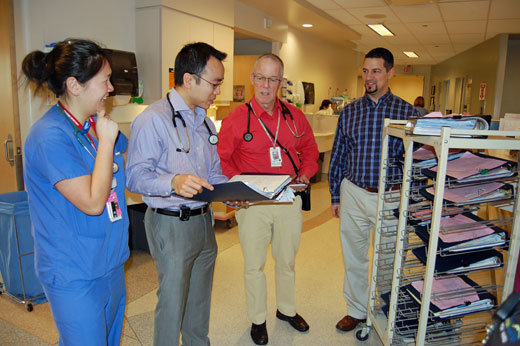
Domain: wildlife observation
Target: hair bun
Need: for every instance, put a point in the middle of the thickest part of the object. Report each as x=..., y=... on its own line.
x=34, y=66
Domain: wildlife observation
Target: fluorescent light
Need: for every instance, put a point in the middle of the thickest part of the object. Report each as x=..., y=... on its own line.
x=307, y=25
x=410, y=54
x=380, y=29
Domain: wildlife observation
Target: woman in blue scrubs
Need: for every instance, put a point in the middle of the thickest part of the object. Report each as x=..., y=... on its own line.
x=74, y=173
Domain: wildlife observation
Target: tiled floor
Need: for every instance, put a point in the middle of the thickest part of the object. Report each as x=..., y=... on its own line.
x=319, y=279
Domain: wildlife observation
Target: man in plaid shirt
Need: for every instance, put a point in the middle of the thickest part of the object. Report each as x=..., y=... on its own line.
x=354, y=174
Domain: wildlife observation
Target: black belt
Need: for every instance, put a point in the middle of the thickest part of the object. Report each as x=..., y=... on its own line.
x=373, y=190
x=184, y=213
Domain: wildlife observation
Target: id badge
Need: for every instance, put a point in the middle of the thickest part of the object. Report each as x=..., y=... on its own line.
x=113, y=208
x=276, y=156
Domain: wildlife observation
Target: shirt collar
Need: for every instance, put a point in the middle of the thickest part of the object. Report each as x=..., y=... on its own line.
x=259, y=111
x=180, y=105
x=381, y=100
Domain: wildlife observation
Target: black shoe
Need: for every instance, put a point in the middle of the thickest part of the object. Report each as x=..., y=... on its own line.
x=259, y=334
x=296, y=321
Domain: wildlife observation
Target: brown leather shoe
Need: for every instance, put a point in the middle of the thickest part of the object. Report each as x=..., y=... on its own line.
x=348, y=323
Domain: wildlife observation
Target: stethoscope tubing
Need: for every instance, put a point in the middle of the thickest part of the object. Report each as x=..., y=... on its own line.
x=248, y=136
x=212, y=139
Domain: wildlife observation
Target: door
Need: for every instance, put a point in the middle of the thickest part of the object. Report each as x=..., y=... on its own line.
x=11, y=160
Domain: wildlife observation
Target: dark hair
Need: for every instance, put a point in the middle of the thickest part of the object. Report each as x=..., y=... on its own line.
x=384, y=54
x=193, y=58
x=325, y=103
x=419, y=102
x=81, y=59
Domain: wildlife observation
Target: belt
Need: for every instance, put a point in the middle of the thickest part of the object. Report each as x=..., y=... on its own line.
x=372, y=190
x=184, y=213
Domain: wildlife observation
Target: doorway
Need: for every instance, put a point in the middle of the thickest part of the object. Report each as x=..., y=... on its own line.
x=11, y=164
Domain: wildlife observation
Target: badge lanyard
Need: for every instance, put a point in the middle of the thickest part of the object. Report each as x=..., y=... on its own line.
x=113, y=207
x=275, y=153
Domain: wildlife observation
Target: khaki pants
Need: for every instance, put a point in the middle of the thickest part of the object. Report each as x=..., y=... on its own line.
x=357, y=217
x=259, y=225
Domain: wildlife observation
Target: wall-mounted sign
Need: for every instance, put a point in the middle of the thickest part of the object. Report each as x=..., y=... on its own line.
x=482, y=92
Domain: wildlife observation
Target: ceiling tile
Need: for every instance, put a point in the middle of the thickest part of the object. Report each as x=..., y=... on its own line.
x=324, y=4
x=360, y=14
x=466, y=27
x=465, y=10
x=343, y=16
x=504, y=9
x=402, y=39
x=417, y=13
x=420, y=29
x=434, y=39
x=459, y=48
x=348, y=4
x=467, y=38
x=511, y=26
x=440, y=49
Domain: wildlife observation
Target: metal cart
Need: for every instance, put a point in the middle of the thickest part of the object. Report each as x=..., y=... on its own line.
x=394, y=318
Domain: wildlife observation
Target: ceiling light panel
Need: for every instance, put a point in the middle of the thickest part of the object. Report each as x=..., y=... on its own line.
x=381, y=30
x=410, y=54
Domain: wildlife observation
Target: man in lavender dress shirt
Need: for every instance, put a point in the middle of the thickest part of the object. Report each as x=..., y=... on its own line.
x=171, y=152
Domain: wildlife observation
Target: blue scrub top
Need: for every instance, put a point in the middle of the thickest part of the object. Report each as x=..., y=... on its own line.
x=69, y=244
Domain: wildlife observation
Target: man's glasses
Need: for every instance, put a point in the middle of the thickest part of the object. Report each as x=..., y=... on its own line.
x=261, y=79
x=214, y=85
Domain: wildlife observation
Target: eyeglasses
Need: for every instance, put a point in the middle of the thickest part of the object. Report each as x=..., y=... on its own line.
x=214, y=85
x=261, y=79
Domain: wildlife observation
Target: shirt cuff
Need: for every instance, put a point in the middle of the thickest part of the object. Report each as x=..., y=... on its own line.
x=166, y=181
x=334, y=200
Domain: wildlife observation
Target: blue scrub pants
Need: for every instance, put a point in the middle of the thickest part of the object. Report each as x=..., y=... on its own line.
x=89, y=312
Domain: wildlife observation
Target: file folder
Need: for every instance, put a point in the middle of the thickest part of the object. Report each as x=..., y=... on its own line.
x=454, y=297
x=498, y=237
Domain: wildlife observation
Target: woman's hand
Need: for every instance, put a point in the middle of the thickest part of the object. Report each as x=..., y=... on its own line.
x=106, y=128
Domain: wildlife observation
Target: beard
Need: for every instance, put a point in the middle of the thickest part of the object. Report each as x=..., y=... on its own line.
x=371, y=89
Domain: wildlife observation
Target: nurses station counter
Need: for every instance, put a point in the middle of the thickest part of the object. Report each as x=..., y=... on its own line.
x=324, y=128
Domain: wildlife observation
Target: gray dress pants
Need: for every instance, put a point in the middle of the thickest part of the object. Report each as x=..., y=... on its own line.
x=184, y=253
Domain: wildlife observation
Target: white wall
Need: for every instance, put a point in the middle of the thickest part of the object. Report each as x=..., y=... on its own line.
x=112, y=23
x=37, y=23
x=313, y=60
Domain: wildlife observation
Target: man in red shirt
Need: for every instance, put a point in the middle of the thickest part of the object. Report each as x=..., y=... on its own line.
x=252, y=139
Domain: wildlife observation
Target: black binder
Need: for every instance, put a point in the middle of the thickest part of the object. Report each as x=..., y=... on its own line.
x=447, y=264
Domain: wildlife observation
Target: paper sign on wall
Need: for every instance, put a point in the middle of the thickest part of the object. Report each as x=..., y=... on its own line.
x=482, y=93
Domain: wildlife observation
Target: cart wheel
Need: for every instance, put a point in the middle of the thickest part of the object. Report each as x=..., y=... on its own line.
x=29, y=307
x=362, y=334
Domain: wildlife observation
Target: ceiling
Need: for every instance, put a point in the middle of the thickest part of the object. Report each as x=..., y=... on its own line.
x=434, y=29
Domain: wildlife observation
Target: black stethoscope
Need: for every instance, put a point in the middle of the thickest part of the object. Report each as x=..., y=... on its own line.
x=248, y=136
x=212, y=139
